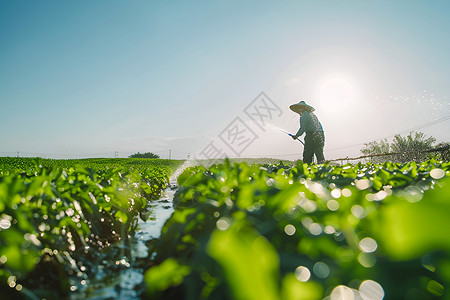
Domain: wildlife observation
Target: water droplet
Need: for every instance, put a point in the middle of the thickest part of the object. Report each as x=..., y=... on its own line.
x=346, y=193
x=70, y=212
x=302, y=274
x=371, y=290
x=358, y=211
x=32, y=238
x=270, y=182
x=329, y=229
x=437, y=173
x=321, y=270
x=368, y=245
x=228, y=202
x=342, y=292
x=308, y=205
x=315, y=228
x=289, y=229
x=223, y=224
x=11, y=278
x=363, y=184
x=333, y=205
x=380, y=195
x=412, y=194
x=5, y=224
x=336, y=193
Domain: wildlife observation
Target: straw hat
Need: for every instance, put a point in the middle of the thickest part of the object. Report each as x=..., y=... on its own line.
x=301, y=106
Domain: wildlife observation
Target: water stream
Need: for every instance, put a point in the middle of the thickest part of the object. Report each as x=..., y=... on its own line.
x=119, y=271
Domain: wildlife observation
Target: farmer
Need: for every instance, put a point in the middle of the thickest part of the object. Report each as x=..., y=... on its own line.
x=314, y=138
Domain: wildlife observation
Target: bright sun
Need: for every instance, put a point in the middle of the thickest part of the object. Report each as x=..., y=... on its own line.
x=337, y=92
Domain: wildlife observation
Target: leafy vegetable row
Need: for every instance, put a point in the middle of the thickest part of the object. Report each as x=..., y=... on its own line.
x=306, y=232
x=55, y=219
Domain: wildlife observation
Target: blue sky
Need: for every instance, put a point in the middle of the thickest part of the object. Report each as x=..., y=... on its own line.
x=88, y=78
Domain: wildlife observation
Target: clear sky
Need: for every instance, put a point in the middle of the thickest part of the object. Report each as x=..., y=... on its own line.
x=88, y=78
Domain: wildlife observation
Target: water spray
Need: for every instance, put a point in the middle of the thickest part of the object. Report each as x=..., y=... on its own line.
x=284, y=131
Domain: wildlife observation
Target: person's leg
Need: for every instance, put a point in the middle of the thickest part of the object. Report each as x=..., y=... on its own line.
x=308, y=149
x=319, y=143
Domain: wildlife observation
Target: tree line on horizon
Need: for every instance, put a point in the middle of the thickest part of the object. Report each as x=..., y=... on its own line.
x=144, y=155
x=416, y=146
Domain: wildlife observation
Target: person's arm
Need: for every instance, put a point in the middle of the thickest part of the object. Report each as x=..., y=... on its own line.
x=299, y=133
x=304, y=119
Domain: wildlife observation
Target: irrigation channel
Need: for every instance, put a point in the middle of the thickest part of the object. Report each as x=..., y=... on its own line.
x=119, y=272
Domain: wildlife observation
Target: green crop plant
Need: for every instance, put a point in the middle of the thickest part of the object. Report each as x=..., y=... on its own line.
x=376, y=231
x=58, y=216
x=239, y=231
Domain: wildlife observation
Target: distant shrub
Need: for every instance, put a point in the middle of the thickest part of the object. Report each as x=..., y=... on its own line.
x=144, y=155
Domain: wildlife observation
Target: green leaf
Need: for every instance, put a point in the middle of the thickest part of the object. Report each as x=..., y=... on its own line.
x=408, y=230
x=249, y=261
x=292, y=289
x=168, y=273
x=120, y=215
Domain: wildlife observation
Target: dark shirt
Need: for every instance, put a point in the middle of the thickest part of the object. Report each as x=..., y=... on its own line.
x=309, y=123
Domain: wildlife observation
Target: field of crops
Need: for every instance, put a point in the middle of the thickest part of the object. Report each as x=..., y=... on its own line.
x=307, y=232
x=58, y=216
x=239, y=231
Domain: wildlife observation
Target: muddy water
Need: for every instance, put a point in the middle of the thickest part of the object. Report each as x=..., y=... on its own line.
x=119, y=271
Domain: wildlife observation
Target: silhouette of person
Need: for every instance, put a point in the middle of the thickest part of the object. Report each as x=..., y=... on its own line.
x=314, y=135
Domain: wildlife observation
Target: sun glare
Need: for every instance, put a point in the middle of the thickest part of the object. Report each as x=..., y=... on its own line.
x=337, y=92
